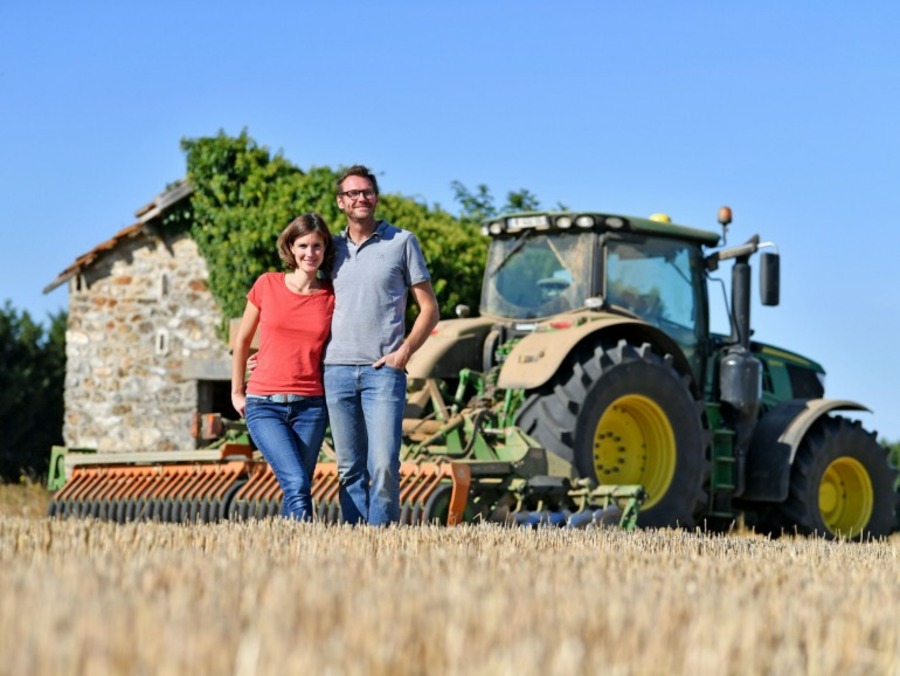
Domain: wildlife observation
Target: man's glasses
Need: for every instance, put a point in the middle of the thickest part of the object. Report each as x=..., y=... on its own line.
x=356, y=194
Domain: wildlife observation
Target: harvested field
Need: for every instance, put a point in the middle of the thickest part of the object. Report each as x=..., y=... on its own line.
x=271, y=597
x=26, y=498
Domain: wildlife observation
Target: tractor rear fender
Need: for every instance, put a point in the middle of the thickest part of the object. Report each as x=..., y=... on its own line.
x=537, y=357
x=454, y=344
x=775, y=442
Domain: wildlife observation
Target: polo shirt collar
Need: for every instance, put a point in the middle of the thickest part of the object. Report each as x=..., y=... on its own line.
x=380, y=226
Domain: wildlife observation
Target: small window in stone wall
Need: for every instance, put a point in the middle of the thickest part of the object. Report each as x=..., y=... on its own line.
x=78, y=284
x=162, y=342
x=163, y=285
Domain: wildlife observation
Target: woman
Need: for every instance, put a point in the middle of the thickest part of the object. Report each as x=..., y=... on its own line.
x=284, y=402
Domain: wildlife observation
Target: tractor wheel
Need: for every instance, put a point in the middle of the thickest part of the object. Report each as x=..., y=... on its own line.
x=842, y=485
x=624, y=415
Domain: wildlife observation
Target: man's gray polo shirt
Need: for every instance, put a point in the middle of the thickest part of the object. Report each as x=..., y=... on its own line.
x=371, y=287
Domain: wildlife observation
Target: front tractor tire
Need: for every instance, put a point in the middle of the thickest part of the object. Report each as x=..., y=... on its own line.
x=622, y=414
x=842, y=485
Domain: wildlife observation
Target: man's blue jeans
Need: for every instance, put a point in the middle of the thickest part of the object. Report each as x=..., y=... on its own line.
x=365, y=407
x=290, y=436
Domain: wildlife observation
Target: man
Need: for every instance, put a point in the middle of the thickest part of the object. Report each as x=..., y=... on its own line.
x=376, y=266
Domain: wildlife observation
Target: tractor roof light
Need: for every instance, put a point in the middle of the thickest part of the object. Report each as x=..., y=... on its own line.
x=660, y=218
x=615, y=222
x=585, y=221
x=496, y=228
x=564, y=222
x=525, y=222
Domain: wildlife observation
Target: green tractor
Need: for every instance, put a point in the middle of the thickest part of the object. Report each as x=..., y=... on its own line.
x=593, y=344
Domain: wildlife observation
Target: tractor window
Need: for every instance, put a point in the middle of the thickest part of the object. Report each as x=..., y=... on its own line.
x=537, y=274
x=658, y=280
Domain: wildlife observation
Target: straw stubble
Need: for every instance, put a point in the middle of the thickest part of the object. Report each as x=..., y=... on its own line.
x=273, y=597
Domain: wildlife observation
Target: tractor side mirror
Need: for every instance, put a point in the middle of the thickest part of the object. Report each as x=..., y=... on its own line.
x=769, y=278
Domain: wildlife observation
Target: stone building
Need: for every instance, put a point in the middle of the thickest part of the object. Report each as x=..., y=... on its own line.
x=142, y=351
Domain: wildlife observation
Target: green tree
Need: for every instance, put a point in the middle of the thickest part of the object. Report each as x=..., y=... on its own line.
x=523, y=200
x=475, y=207
x=32, y=376
x=893, y=452
x=479, y=206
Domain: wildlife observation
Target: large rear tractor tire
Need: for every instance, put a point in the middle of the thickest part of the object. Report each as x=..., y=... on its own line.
x=624, y=415
x=842, y=485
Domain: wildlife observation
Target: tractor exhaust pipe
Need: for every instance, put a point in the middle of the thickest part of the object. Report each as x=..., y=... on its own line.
x=740, y=373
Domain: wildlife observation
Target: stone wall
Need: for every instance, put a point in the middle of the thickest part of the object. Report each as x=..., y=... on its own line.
x=139, y=320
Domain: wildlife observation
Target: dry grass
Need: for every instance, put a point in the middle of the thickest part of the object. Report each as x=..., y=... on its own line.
x=270, y=597
x=26, y=498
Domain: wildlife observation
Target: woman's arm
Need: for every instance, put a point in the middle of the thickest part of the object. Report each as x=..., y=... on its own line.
x=241, y=349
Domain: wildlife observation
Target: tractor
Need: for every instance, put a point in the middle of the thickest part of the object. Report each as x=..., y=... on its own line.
x=594, y=333
x=589, y=389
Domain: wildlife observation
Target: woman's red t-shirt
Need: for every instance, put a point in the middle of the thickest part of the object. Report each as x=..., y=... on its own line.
x=293, y=329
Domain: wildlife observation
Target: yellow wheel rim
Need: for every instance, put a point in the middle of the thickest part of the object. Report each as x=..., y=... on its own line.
x=846, y=497
x=634, y=444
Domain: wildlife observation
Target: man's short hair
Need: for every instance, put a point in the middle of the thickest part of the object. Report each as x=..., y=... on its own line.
x=356, y=170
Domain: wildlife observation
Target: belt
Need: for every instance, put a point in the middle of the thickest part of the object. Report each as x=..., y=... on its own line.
x=279, y=398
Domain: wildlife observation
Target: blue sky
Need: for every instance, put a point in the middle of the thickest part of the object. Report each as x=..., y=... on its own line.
x=787, y=112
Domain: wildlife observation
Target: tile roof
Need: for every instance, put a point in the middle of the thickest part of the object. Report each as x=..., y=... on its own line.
x=145, y=214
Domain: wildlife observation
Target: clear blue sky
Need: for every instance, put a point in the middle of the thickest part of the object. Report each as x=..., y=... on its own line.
x=788, y=112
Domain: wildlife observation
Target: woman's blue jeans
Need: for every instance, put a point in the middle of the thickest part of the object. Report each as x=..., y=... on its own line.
x=365, y=407
x=289, y=435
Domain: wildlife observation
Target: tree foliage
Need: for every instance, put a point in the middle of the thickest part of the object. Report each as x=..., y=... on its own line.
x=476, y=207
x=479, y=206
x=32, y=375
x=244, y=196
x=523, y=200
x=893, y=452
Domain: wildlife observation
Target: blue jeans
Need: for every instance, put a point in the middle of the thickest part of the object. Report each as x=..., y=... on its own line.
x=365, y=406
x=290, y=436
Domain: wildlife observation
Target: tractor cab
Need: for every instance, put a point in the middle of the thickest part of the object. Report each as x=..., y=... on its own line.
x=543, y=265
